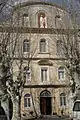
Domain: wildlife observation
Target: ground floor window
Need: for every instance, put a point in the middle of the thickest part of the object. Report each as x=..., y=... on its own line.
x=61, y=73
x=62, y=99
x=27, y=100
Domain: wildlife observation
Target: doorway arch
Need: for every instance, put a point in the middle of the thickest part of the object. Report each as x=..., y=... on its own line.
x=45, y=103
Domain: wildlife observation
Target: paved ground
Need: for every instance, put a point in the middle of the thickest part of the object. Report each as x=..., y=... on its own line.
x=53, y=118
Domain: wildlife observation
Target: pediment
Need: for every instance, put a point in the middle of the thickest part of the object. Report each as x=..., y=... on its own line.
x=45, y=62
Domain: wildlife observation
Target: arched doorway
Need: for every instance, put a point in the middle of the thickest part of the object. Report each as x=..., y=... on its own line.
x=45, y=103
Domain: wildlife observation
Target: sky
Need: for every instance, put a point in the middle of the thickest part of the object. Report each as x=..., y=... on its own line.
x=64, y=3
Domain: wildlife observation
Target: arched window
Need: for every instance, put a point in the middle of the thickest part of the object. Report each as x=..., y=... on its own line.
x=27, y=100
x=60, y=48
x=25, y=20
x=45, y=93
x=42, y=20
x=61, y=73
x=58, y=21
x=42, y=45
x=26, y=45
x=27, y=74
x=62, y=99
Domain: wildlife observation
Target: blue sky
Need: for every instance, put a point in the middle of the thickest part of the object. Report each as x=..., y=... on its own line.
x=6, y=11
x=59, y=2
x=64, y=3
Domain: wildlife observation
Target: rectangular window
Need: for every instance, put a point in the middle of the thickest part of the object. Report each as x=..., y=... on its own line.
x=62, y=99
x=43, y=74
x=60, y=48
x=25, y=20
x=28, y=75
x=61, y=74
x=26, y=45
x=43, y=45
x=27, y=102
x=43, y=48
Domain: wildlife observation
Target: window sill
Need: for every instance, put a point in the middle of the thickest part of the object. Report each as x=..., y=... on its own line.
x=60, y=55
x=44, y=82
x=26, y=52
x=63, y=106
x=43, y=53
x=28, y=107
x=61, y=79
x=28, y=82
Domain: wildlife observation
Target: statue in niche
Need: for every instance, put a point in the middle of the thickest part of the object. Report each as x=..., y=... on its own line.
x=43, y=22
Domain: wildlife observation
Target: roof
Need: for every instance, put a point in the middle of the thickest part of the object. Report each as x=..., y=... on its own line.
x=35, y=2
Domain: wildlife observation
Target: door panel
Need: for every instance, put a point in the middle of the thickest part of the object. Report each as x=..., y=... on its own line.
x=48, y=106
x=45, y=105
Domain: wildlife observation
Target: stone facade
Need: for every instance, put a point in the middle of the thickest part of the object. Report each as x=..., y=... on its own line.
x=46, y=89
x=42, y=92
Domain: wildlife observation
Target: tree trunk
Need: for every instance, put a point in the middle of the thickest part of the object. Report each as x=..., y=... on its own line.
x=15, y=115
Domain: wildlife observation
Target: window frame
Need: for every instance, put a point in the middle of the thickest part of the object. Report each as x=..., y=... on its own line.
x=44, y=18
x=28, y=75
x=26, y=46
x=61, y=73
x=62, y=99
x=58, y=21
x=44, y=74
x=27, y=100
x=43, y=46
x=60, y=48
x=25, y=20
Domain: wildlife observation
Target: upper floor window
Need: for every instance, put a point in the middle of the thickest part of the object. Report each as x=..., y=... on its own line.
x=44, y=75
x=28, y=75
x=42, y=20
x=26, y=45
x=43, y=45
x=62, y=99
x=60, y=48
x=27, y=100
x=61, y=73
x=25, y=20
x=58, y=21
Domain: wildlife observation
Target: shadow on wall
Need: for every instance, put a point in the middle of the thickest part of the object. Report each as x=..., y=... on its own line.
x=2, y=113
x=6, y=115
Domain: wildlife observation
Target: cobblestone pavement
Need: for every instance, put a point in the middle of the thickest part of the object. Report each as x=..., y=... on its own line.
x=54, y=118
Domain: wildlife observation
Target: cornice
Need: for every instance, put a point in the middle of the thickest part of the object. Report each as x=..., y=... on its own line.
x=38, y=30
x=30, y=3
x=39, y=58
x=47, y=86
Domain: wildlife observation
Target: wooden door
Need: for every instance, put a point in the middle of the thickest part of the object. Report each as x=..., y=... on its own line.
x=43, y=105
